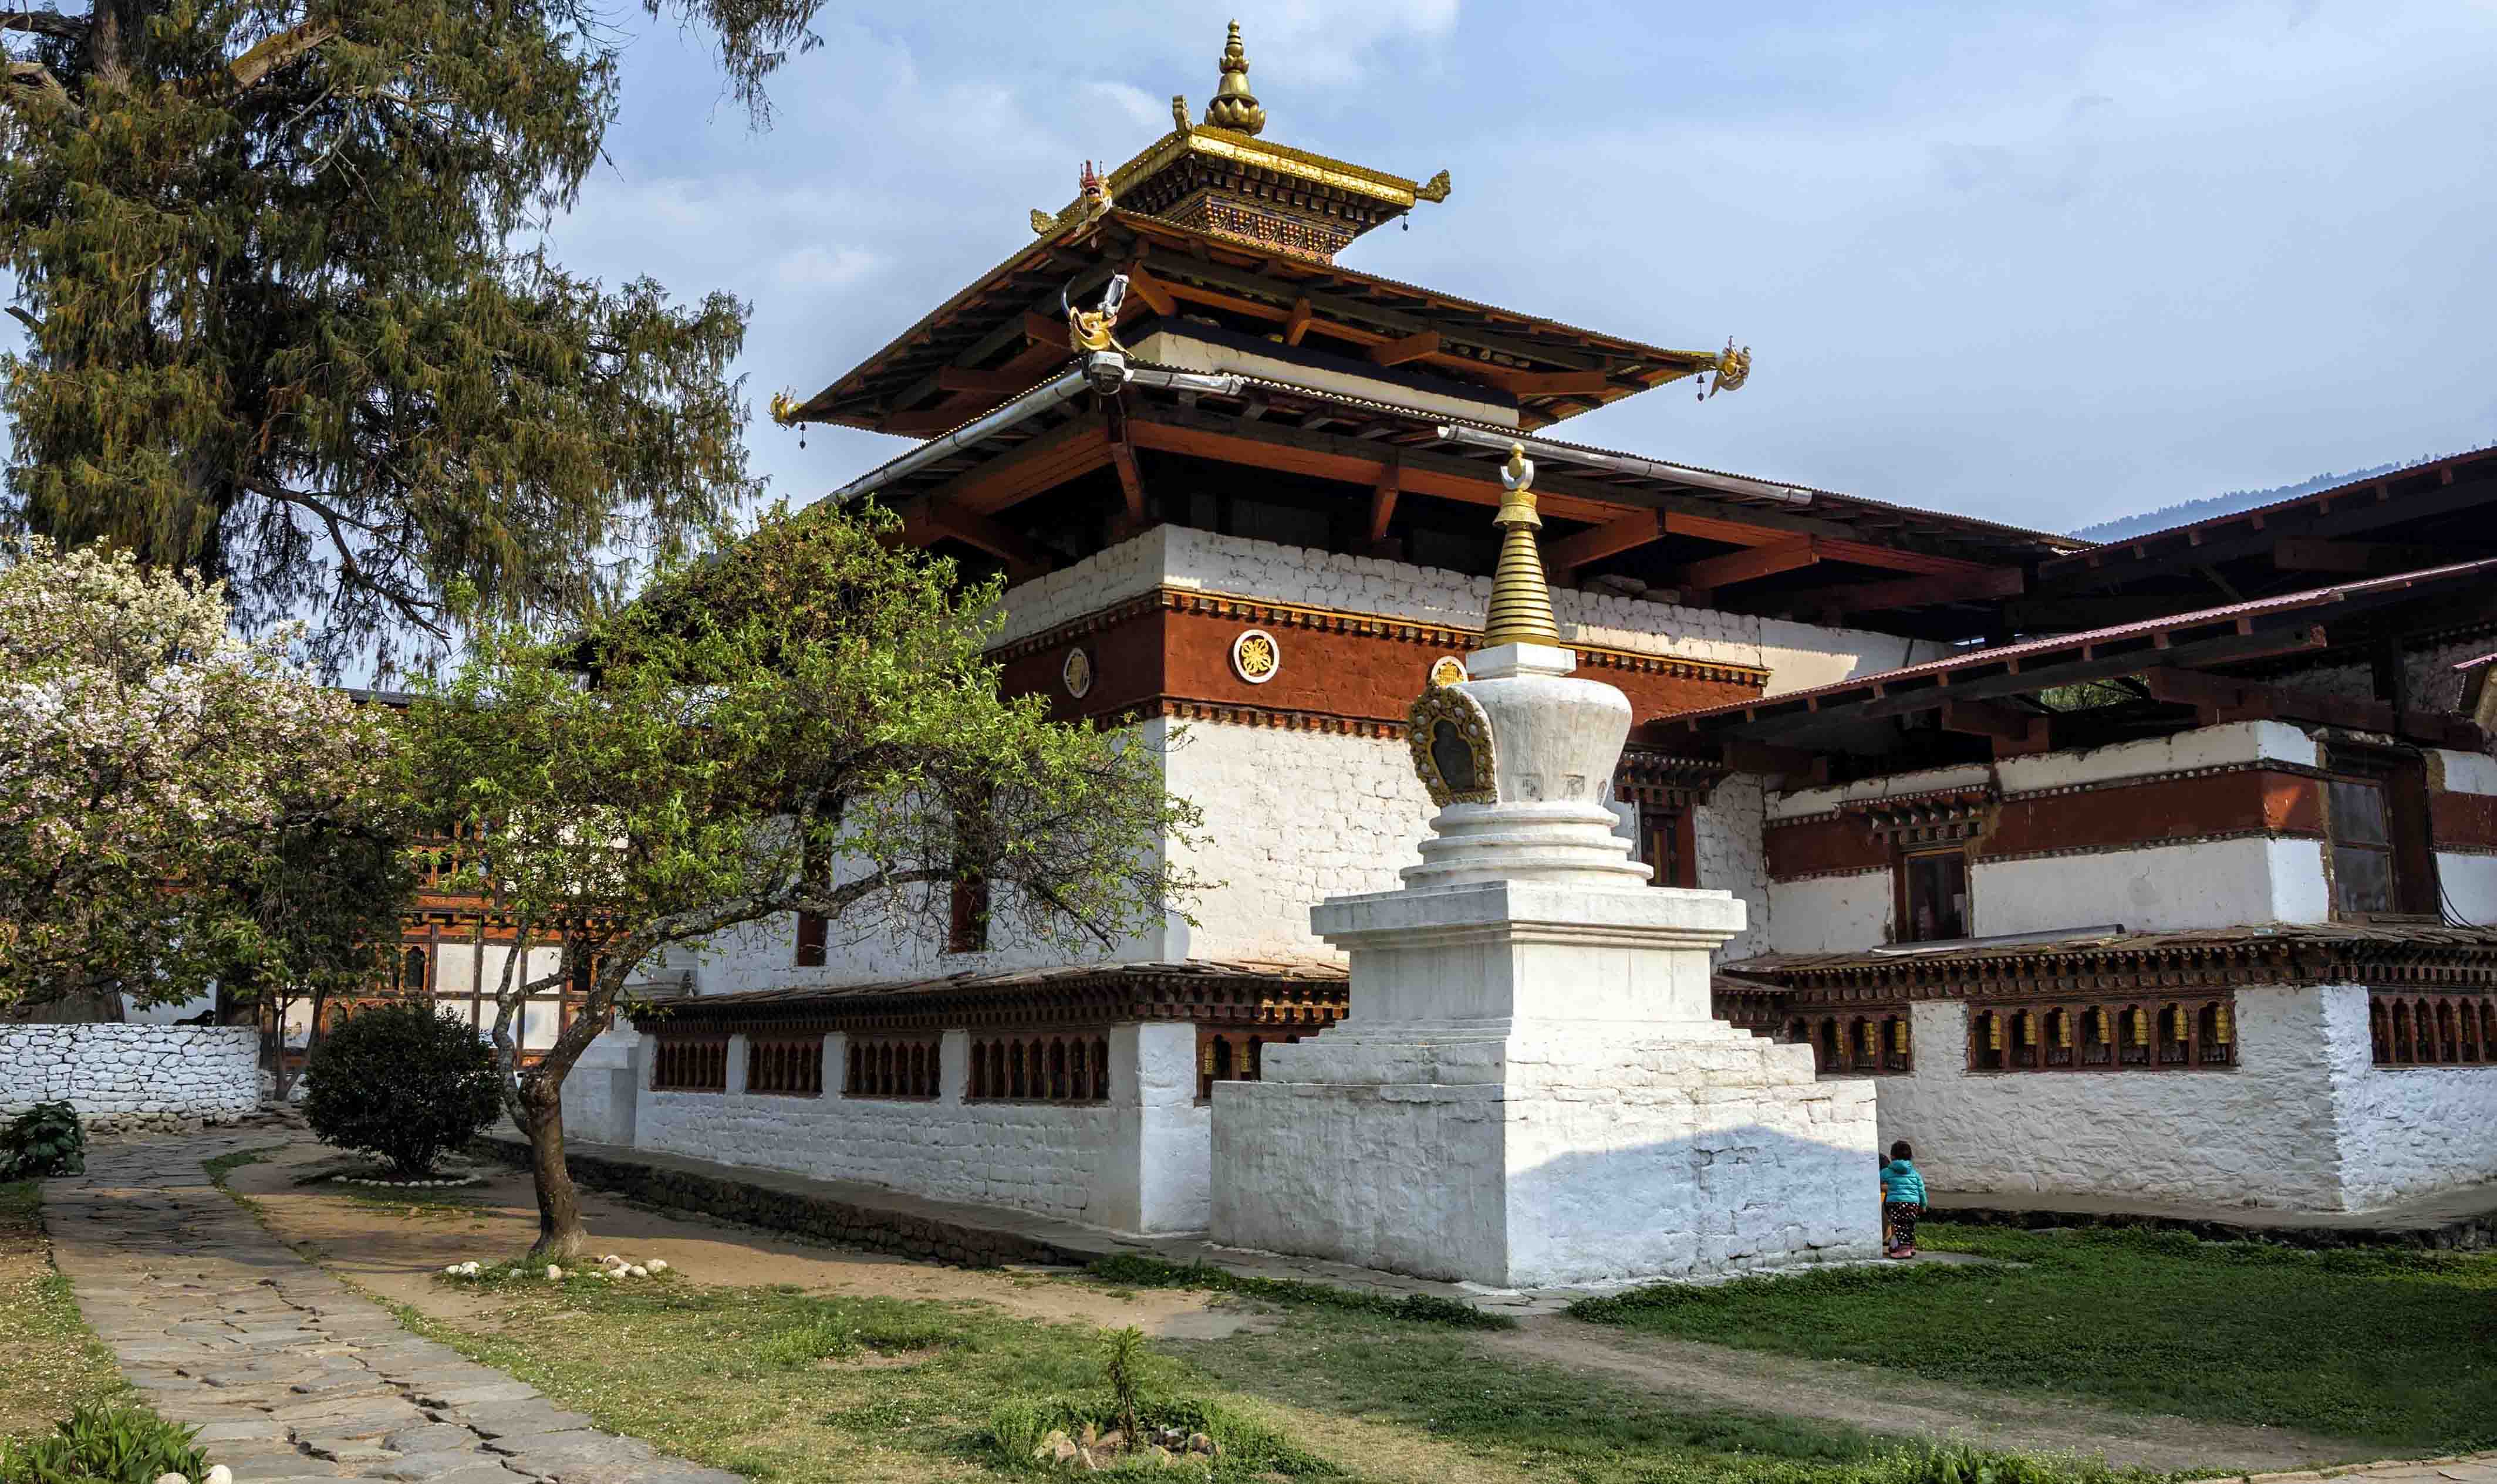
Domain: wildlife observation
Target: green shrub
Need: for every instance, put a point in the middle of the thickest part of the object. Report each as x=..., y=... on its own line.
x=1250, y=1451
x=108, y=1445
x=404, y=1082
x=43, y=1140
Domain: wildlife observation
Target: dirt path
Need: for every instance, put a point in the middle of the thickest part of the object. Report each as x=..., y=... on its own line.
x=392, y=1249
x=1887, y=1401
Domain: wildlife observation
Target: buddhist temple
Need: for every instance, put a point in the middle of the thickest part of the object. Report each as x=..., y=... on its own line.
x=2159, y=870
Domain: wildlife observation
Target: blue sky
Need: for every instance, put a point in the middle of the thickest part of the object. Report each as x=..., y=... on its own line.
x=2046, y=264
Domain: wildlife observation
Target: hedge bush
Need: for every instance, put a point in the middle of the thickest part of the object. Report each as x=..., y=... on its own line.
x=401, y=1082
x=43, y=1140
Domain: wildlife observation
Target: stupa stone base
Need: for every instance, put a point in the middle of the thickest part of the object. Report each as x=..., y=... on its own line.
x=1531, y=1093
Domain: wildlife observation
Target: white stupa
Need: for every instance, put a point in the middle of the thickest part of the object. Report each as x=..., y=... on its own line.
x=1529, y=1088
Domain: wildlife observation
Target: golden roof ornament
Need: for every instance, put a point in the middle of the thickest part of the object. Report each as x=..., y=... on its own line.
x=1234, y=107
x=1521, y=601
x=1733, y=369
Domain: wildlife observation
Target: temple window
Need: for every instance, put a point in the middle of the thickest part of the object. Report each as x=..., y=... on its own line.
x=2133, y=1048
x=1986, y=1039
x=811, y=939
x=687, y=1063
x=2058, y=1037
x=1832, y=1057
x=1040, y=1067
x=1869, y=1045
x=2376, y=820
x=2025, y=1045
x=788, y=1066
x=2433, y=1029
x=2169, y=1035
x=411, y=972
x=1932, y=895
x=1667, y=843
x=892, y=1067
x=1231, y=1055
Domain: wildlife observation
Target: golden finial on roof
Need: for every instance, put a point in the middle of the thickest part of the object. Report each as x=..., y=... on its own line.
x=1521, y=601
x=1234, y=107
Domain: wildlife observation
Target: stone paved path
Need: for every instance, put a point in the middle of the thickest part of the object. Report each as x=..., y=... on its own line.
x=288, y=1375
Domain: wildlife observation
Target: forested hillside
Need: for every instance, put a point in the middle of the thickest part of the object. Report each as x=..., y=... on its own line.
x=2189, y=511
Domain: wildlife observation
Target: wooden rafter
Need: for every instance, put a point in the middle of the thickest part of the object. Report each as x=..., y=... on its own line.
x=1412, y=347
x=1922, y=591
x=1567, y=556
x=1710, y=573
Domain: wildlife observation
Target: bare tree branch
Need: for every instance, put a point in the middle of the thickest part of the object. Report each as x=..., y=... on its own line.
x=52, y=23
x=278, y=50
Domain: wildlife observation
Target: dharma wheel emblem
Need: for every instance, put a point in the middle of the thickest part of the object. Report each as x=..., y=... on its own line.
x=1447, y=670
x=1449, y=734
x=1077, y=673
x=1255, y=656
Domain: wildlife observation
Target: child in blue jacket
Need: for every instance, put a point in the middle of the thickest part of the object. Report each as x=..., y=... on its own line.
x=1903, y=1198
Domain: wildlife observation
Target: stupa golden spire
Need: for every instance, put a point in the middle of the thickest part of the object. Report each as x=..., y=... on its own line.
x=1521, y=601
x=1234, y=107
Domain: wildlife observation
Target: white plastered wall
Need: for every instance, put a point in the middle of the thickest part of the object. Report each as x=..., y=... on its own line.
x=2223, y=883
x=2261, y=1134
x=2405, y=1130
x=2468, y=878
x=1135, y=1163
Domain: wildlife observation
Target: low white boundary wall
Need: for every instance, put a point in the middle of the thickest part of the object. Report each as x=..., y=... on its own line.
x=132, y=1076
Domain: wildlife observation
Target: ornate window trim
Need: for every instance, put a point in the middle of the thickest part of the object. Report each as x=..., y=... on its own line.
x=893, y=1068
x=1039, y=1066
x=2410, y=1032
x=786, y=1066
x=2105, y=1033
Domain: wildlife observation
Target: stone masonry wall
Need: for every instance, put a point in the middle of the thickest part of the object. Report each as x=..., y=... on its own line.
x=125, y=1076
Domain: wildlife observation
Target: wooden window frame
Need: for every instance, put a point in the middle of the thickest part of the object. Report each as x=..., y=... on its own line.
x=2401, y=778
x=1901, y=873
x=786, y=1066
x=814, y=929
x=689, y=1063
x=2410, y=1030
x=1871, y=1041
x=2139, y=1033
x=1060, y=1068
x=1668, y=843
x=893, y=1068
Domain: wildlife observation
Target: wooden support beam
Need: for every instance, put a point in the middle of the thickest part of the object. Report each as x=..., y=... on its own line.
x=1557, y=383
x=2014, y=733
x=1710, y=573
x=1296, y=324
x=1920, y=591
x=925, y=521
x=2309, y=554
x=1155, y=293
x=1567, y=554
x=1055, y=457
x=1792, y=763
x=1412, y=347
x=2215, y=697
x=1122, y=457
x=1383, y=502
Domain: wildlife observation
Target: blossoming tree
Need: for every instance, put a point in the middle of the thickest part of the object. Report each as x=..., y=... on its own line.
x=149, y=760
x=807, y=723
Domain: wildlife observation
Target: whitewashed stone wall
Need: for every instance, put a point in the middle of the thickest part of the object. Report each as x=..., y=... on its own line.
x=2305, y=1121
x=2405, y=1130
x=1135, y=1163
x=1797, y=655
x=2261, y=1134
x=126, y=1075
x=2467, y=878
x=1733, y=857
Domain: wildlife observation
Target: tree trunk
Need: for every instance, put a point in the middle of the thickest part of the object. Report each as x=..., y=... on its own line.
x=561, y=1236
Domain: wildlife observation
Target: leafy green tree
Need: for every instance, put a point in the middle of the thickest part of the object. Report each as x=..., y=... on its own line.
x=320, y=920
x=286, y=329
x=807, y=722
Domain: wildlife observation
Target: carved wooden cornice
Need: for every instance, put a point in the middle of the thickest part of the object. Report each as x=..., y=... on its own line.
x=1101, y=997
x=1666, y=780
x=1942, y=817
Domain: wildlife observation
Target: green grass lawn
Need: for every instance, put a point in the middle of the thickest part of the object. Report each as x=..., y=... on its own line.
x=49, y=1360
x=2381, y=1346
x=793, y=1388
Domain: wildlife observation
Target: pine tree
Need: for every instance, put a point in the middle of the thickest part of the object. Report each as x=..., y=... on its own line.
x=288, y=325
